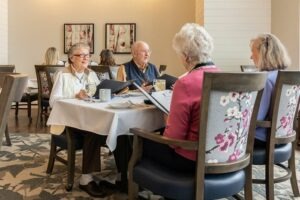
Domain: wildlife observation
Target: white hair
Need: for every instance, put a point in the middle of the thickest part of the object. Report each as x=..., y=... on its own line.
x=194, y=42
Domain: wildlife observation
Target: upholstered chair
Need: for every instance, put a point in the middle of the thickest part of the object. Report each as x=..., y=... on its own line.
x=224, y=149
x=281, y=138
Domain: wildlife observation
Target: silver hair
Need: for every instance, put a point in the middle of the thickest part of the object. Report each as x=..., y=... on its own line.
x=194, y=42
x=272, y=53
x=75, y=47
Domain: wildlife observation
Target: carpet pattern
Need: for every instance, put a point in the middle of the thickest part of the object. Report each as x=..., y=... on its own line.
x=23, y=173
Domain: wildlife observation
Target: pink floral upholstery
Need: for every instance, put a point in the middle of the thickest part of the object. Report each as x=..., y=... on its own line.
x=287, y=109
x=229, y=116
x=44, y=83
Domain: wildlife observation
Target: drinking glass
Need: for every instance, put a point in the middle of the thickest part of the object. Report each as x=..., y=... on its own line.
x=159, y=84
x=90, y=89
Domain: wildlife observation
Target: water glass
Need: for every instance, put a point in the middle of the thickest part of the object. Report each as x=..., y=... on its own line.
x=159, y=84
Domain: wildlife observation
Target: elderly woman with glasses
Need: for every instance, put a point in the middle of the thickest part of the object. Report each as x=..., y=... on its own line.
x=75, y=81
x=270, y=55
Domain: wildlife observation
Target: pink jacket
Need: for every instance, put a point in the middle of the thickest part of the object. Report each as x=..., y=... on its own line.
x=183, y=121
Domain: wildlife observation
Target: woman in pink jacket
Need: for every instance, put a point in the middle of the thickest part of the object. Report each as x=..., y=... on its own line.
x=194, y=47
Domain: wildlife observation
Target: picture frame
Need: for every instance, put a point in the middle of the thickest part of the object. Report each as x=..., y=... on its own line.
x=78, y=32
x=119, y=37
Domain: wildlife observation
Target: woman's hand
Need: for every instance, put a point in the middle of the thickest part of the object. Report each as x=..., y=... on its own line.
x=82, y=94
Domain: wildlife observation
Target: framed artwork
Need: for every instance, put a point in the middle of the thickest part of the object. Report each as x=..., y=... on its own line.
x=74, y=33
x=119, y=37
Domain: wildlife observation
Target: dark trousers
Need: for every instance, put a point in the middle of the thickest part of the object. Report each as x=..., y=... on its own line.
x=165, y=155
x=90, y=150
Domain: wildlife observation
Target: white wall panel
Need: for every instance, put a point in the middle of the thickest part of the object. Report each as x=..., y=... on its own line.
x=232, y=23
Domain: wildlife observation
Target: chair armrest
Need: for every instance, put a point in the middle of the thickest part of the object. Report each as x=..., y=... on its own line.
x=263, y=124
x=185, y=144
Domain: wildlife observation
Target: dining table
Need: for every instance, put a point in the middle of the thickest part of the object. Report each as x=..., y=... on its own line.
x=112, y=119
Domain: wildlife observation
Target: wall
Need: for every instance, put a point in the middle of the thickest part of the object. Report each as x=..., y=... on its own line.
x=34, y=25
x=232, y=23
x=285, y=25
x=3, y=32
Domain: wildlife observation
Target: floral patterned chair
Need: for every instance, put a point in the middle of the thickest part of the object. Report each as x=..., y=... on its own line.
x=228, y=112
x=43, y=91
x=281, y=140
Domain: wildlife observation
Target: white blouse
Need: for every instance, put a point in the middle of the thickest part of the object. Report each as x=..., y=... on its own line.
x=66, y=85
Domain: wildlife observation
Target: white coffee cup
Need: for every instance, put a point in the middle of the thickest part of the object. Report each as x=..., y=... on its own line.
x=105, y=95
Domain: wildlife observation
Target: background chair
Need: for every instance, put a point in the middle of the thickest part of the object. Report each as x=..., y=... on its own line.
x=43, y=92
x=27, y=97
x=102, y=71
x=66, y=141
x=9, y=84
x=281, y=140
x=248, y=68
x=20, y=87
x=219, y=172
x=7, y=68
x=162, y=69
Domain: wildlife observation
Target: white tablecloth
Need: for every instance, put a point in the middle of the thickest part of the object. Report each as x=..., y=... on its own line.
x=101, y=119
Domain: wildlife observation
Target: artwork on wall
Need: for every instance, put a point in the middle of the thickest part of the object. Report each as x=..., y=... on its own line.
x=74, y=33
x=119, y=37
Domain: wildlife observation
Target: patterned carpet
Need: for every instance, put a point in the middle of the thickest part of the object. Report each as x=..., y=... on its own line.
x=23, y=166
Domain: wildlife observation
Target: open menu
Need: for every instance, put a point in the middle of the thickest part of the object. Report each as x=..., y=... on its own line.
x=115, y=86
x=161, y=99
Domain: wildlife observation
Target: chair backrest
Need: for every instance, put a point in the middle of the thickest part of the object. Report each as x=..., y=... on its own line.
x=102, y=71
x=162, y=68
x=8, y=90
x=41, y=75
x=248, y=68
x=284, y=106
x=50, y=74
x=7, y=68
x=229, y=108
x=21, y=85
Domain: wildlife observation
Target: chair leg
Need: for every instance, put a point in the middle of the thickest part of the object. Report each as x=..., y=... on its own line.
x=132, y=186
x=16, y=109
x=71, y=160
x=29, y=108
x=293, y=179
x=248, y=185
x=52, y=157
x=270, y=181
x=7, y=138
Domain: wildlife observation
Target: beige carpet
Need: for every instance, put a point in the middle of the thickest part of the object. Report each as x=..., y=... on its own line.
x=23, y=167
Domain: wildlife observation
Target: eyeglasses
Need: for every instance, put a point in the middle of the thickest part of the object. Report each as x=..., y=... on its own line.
x=82, y=55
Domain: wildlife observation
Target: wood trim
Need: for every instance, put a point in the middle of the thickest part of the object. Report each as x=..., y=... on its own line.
x=199, y=12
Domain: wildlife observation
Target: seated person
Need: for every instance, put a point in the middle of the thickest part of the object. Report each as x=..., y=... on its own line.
x=194, y=47
x=51, y=57
x=270, y=55
x=107, y=59
x=139, y=69
x=71, y=83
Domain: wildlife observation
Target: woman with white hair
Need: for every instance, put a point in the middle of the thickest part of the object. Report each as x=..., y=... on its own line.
x=270, y=55
x=194, y=47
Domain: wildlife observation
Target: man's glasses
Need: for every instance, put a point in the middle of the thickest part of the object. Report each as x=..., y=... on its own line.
x=82, y=55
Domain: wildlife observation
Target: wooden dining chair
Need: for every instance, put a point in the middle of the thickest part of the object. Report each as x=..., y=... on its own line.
x=9, y=84
x=43, y=92
x=248, y=68
x=102, y=71
x=7, y=68
x=21, y=85
x=224, y=148
x=281, y=138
